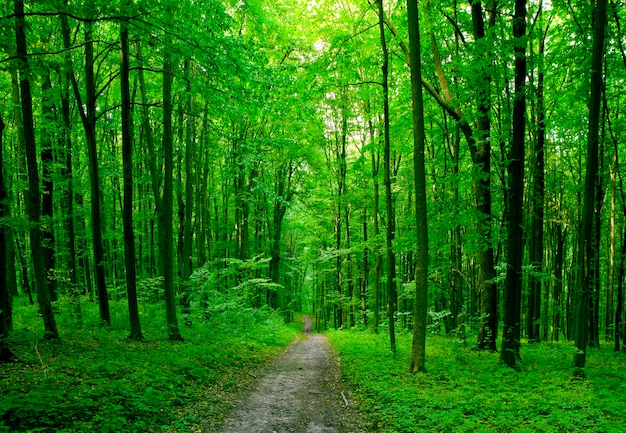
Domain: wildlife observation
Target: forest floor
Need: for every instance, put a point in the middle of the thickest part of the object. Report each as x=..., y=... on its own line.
x=302, y=391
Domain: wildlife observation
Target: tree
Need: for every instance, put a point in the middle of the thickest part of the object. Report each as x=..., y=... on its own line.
x=5, y=297
x=418, y=352
x=33, y=199
x=513, y=289
x=390, y=214
x=127, y=157
x=586, y=243
x=88, y=117
x=166, y=214
x=481, y=156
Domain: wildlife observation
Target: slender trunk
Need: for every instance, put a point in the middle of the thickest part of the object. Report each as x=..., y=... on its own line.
x=391, y=257
x=5, y=297
x=366, y=269
x=377, y=252
x=47, y=195
x=127, y=216
x=481, y=157
x=609, y=316
x=586, y=244
x=536, y=249
x=557, y=303
x=187, y=237
x=620, y=295
x=166, y=215
x=418, y=351
x=33, y=196
x=513, y=290
x=68, y=196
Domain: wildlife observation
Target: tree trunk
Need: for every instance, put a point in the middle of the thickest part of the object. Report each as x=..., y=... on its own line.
x=130, y=257
x=33, y=197
x=68, y=196
x=391, y=257
x=618, y=336
x=513, y=290
x=5, y=297
x=418, y=351
x=586, y=244
x=481, y=157
x=557, y=294
x=166, y=214
x=187, y=237
x=609, y=316
x=47, y=162
x=536, y=249
x=377, y=253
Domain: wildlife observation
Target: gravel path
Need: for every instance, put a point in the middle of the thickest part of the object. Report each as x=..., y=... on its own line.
x=301, y=392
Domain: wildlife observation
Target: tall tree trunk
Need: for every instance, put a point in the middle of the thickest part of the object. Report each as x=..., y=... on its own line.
x=47, y=162
x=187, y=237
x=594, y=294
x=6, y=354
x=166, y=215
x=130, y=257
x=513, y=290
x=536, y=249
x=618, y=336
x=33, y=197
x=21, y=179
x=68, y=196
x=456, y=251
x=418, y=351
x=364, y=304
x=391, y=257
x=586, y=243
x=557, y=294
x=609, y=316
x=377, y=252
x=88, y=117
x=94, y=177
x=481, y=156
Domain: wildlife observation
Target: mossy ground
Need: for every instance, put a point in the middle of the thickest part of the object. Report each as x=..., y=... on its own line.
x=470, y=391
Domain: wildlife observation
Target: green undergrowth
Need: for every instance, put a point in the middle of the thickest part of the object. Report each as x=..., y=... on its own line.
x=96, y=380
x=470, y=391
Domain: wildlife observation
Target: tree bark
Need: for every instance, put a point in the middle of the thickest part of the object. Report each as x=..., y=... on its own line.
x=390, y=232
x=130, y=257
x=377, y=252
x=481, y=157
x=166, y=215
x=47, y=196
x=33, y=197
x=68, y=195
x=536, y=248
x=513, y=289
x=6, y=354
x=187, y=237
x=586, y=243
x=418, y=351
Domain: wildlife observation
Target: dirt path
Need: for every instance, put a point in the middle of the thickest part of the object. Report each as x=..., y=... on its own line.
x=301, y=392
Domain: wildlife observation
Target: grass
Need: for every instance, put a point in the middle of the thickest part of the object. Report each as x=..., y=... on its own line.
x=95, y=379
x=469, y=391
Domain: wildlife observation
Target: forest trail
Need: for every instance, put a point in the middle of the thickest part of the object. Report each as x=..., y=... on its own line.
x=301, y=392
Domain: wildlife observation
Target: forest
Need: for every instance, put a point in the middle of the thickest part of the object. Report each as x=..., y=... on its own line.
x=437, y=184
